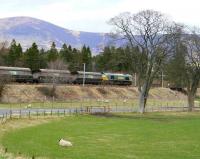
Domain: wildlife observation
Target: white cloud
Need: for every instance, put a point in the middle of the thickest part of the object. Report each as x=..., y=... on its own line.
x=91, y=15
x=186, y=11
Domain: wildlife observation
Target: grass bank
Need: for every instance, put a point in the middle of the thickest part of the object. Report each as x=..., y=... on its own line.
x=122, y=136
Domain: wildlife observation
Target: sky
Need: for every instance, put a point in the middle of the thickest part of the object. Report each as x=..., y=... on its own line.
x=93, y=15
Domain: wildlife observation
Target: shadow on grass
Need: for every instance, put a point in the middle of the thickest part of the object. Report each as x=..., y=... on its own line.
x=158, y=117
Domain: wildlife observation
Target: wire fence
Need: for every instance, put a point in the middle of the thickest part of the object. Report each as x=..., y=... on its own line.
x=52, y=107
x=55, y=103
x=30, y=113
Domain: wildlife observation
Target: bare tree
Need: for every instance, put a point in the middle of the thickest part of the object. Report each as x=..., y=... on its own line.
x=56, y=65
x=192, y=42
x=149, y=30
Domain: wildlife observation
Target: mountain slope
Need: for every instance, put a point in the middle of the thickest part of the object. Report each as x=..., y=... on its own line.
x=27, y=30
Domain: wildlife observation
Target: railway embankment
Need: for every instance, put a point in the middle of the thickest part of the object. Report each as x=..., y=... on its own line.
x=19, y=93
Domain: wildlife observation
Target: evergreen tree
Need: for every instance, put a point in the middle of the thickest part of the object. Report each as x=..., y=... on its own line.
x=70, y=48
x=66, y=54
x=102, y=59
x=15, y=54
x=52, y=53
x=176, y=68
x=43, y=58
x=76, y=61
x=119, y=60
x=89, y=61
x=32, y=58
x=86, y=57
x=4, y=50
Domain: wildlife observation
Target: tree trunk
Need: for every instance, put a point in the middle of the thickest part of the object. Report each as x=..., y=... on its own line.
x=142, y=103
x=191, y=90
x=191, y=97
x=143, y=97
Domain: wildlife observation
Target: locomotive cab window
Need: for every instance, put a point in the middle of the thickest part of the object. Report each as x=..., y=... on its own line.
x=127, y=78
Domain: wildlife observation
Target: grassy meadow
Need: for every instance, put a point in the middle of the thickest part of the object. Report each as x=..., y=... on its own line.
x=119, y=136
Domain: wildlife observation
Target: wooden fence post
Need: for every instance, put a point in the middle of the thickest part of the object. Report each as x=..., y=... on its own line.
x=20, y=113
x=10, y=114
x=37, y=113
x=29, y=114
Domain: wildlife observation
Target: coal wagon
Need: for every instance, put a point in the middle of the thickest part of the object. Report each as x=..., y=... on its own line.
x=16, y=74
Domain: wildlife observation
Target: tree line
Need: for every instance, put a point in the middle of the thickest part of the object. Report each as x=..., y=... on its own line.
x=35, y=58
x=153, y=44
x=110, y=59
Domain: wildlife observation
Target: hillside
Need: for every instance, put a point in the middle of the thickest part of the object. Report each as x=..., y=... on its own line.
x=39, y=93
x=27, y=30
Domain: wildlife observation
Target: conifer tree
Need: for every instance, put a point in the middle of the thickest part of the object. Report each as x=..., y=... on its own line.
x=15, y=54
x=86, y=57
x=32, y=58
x=66, y=54
x=52, y=53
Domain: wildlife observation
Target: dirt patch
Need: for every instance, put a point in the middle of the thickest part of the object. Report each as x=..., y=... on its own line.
x=67, y=93
x=89, y=93
x=118, y=92
x=165, y=93
x=48, y=91
x=102, y=91
x=21, y=94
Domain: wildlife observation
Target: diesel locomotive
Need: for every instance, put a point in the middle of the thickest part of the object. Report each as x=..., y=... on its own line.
x=18, y=74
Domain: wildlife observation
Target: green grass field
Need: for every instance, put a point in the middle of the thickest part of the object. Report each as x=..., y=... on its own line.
x=125, y=136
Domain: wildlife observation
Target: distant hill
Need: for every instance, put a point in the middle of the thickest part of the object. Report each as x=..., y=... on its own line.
x=27, y=30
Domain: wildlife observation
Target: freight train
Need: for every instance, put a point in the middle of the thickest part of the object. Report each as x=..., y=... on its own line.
x=18, y=74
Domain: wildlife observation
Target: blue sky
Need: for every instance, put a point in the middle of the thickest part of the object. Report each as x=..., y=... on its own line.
x=92, y=15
